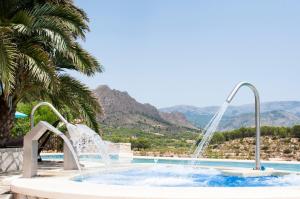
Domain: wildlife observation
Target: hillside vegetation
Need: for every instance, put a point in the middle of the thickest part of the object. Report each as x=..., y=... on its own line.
x=281, y=143
x=152, y=132
x=151, y=143
x=278, y=143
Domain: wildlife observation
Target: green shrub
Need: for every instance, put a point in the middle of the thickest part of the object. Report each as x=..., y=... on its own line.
x=22, y=126
x=296, y=131
x=282, y=132
x=140, y=143
x=218, y=138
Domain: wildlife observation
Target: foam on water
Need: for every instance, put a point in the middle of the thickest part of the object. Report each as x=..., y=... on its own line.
x=167, y=181
x=185, y=176
x=291, y=179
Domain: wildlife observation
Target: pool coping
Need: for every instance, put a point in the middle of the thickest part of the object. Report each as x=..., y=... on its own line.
x=66, y=189
x=60, y=186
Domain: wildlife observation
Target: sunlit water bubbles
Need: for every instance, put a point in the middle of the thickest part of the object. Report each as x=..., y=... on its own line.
x=186, y=176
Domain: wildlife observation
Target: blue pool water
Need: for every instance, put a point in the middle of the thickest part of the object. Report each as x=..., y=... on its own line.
x=185, y=176
x=277, y=166
x=180, y=173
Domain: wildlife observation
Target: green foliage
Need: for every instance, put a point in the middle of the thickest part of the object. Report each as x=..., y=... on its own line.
x=38, y=45
x=296, y=131
x=22, y=125
x=218, y=138
x=279, y=132
x=140, y=143
x=150, y=141
x=181, y=142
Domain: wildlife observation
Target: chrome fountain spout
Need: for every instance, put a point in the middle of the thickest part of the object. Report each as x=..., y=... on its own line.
x=257, y=117
x=71, y=160
x=53, y=109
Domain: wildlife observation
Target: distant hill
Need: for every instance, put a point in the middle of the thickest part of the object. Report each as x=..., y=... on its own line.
x=278, y=113
x=177, y=118
x=121, y=110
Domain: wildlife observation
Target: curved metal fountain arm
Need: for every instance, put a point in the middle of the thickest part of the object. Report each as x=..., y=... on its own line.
x=53, y=109
x=257, y=117
x=237, y=88
x=31, y=147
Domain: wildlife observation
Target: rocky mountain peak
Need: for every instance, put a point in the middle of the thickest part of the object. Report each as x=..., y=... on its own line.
x=120, y=109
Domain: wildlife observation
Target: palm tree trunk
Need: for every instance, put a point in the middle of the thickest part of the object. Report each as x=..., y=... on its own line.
x=7, y=116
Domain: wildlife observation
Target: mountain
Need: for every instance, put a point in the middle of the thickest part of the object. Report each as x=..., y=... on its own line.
x=278, y=113
x=177, y=118
x=121, y=110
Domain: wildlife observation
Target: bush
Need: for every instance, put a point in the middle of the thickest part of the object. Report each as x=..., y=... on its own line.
x=282, y=132
x=140, y=143
x=274, y=132
x=116, y=139
x=218, y=138
x=296, y=131
x=22, y=126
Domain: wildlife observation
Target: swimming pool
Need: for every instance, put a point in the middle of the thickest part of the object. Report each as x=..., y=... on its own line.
x=164, y=178
x=286, y=166
x=161, y=175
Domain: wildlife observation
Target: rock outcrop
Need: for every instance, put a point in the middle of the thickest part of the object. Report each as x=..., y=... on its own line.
x=121, y=110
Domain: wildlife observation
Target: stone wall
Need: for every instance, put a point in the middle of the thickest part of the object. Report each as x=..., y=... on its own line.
x=11, y=159
x=119, y=148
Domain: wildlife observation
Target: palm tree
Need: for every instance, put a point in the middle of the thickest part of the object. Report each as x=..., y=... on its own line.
x=38, y=45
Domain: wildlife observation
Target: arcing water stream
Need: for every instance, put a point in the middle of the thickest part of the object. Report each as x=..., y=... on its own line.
x=86, y=141
x=209, y=130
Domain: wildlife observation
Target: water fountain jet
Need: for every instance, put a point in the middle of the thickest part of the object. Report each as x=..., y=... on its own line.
x=80, y=139
x=31, y=148
x=257, y=117
x=214, y=122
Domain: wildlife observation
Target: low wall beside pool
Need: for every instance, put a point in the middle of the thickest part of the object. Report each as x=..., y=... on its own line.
x=11, y=159
x=123, y=150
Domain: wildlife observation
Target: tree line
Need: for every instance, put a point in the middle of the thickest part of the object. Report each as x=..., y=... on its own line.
x=280, y=132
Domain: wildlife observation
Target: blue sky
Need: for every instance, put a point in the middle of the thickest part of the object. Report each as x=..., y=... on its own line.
x=170, y=52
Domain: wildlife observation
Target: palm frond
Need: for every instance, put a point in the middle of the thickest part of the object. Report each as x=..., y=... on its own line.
x=37, y=43
x=8, y=55
x=78, y=98
x=66, y=14
x=38, y=63
x=80, y=60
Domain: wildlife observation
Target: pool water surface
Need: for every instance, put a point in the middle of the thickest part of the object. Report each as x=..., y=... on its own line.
x=185, y=176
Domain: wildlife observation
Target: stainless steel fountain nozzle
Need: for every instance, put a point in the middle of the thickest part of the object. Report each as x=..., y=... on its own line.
x=52, y=108
x=257, y=117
